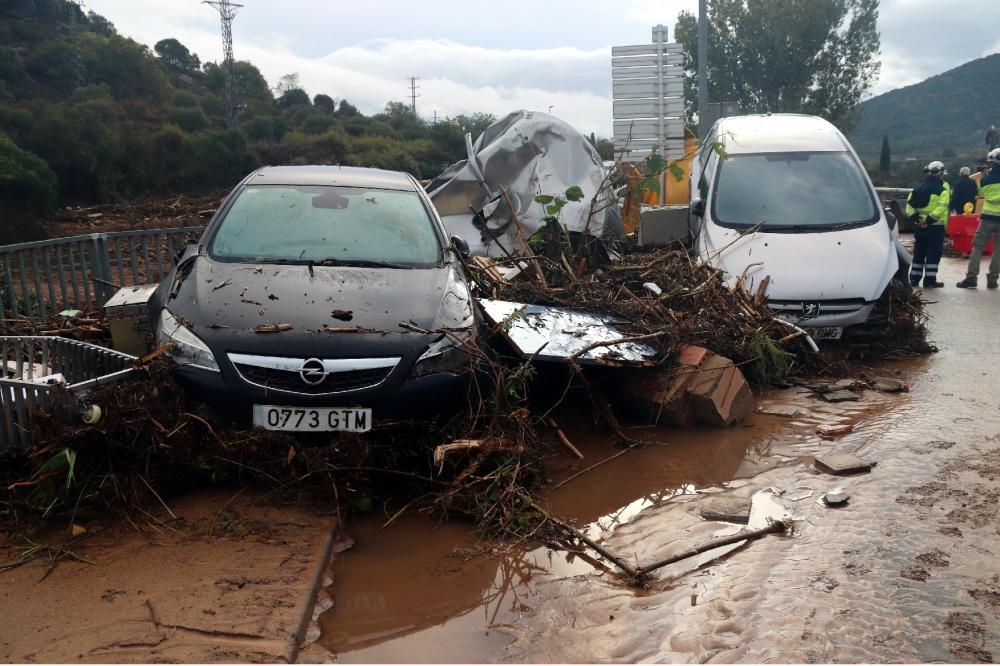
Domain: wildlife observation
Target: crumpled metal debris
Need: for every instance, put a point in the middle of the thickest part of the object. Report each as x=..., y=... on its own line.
x=554, y=334
x=526, y=153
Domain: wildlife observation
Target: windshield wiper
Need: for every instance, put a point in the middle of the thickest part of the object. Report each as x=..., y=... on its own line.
x=360, y=263
x=787, y=227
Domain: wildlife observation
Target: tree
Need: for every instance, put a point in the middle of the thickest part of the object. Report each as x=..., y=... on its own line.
x=176, y=57
x=325, y=103
x=800, y=56
x=885, y=160
x=26, y=181
x=286, y=83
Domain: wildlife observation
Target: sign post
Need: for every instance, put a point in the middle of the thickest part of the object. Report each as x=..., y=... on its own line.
x=647, y=85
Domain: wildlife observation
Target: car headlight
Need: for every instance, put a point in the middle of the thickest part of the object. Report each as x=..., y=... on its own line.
x=188, y=349
x=446, y=354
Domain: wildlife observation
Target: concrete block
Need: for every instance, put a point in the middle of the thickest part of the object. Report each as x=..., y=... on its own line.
x=719, y=393
x=843, y=463
x=662, y=225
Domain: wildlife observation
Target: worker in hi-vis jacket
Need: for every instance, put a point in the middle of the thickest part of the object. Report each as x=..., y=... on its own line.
x=927, y=208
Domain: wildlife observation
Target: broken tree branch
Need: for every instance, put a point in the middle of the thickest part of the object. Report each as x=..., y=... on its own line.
x=774, y=528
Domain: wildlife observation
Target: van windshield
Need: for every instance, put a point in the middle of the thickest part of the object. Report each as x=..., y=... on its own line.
x=794, y=191
x=338, y=225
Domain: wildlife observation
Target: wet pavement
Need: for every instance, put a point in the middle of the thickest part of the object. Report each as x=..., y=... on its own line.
x=905, y=572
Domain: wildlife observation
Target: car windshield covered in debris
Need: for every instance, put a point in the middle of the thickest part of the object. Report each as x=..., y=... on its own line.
x=318, y=300
x=344, y=225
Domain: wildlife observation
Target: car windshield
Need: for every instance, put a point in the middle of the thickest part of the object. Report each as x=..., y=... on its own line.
x=337, y=225
x=795, y=191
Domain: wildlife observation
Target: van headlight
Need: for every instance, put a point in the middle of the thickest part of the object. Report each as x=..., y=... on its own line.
x=188, y=349
x=446, y=354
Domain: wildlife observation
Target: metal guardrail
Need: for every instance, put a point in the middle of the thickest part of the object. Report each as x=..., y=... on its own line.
x=83, y=272
x=24, y=359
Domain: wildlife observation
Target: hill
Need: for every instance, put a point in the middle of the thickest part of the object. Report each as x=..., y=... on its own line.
x=945, y=113
x=89, y=116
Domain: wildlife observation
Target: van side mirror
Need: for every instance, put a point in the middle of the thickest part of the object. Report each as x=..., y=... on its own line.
x=698, y=208
x=890, y=218
x=460, y=245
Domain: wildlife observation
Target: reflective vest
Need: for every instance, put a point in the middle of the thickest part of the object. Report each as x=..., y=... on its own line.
x=989, y=190
x=930, y=201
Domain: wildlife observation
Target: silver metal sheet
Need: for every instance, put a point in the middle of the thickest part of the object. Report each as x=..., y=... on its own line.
x=672, y=127
x=646, y=88
x=564, y=333
x=640, y=73
x=648, y=108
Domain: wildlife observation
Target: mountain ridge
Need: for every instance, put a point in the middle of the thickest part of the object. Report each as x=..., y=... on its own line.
x=946, y=112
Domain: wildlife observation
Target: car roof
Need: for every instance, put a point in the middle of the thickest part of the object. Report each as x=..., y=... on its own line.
x=778, y=132
x=332, y=175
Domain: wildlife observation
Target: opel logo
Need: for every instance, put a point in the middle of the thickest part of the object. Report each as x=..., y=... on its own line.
x=312, y=371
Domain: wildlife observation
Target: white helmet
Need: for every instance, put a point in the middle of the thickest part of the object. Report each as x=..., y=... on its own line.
x=935, y=168
x=994, y=156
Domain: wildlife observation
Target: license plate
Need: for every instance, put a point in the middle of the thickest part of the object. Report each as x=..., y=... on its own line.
x=826, y=332
x=312, y=419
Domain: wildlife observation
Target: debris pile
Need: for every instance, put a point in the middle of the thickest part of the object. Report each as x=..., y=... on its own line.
x=180, y=211
x=663, y=298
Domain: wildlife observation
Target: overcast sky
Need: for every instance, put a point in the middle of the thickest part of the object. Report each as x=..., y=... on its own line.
x=500, y=56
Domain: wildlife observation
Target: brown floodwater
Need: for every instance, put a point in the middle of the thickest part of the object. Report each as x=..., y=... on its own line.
x=905, y=572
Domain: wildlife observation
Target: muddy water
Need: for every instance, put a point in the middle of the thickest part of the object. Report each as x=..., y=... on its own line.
x=905, y=572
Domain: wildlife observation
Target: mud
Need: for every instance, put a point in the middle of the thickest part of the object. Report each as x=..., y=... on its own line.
x=903, y=573
x=228, y=581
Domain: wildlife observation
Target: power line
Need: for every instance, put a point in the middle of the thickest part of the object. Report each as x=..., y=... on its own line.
x=227, y=12
x=413, y=94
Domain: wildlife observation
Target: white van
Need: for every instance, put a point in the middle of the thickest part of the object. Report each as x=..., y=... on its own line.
x=787, y=198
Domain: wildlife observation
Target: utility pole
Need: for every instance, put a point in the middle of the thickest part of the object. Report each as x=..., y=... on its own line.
x=227, y=12
x=703, y=126
x=435, y=116
x=413, y=94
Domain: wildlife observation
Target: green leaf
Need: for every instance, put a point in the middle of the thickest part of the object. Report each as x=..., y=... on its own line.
x=552, y=210
x=364, y=505
x=544, y=199
x=574, y=193
x=560, y=202
x=717, y=147
x=677, y=172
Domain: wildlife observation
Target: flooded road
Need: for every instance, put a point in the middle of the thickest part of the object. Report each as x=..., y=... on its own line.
x=905, y=572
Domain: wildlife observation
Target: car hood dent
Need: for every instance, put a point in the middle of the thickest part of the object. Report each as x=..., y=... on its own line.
x=224, y=303
x=852, y=263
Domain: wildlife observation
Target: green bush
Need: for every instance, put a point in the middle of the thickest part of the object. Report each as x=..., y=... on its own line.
x=26, y=181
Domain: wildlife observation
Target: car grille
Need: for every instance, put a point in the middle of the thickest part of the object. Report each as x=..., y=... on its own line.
x=830, y=306
x=283, y=374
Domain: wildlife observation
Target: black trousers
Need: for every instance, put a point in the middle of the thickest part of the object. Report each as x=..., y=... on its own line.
x=927, y=247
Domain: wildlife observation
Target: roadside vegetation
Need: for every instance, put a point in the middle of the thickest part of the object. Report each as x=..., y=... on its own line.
x=90, y=116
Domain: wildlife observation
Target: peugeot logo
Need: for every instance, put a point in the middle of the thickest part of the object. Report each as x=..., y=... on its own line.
x=810, y=309
x=313, y=371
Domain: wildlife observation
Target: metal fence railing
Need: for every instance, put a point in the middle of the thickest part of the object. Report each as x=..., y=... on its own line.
x=83, y=272
x=24, y=360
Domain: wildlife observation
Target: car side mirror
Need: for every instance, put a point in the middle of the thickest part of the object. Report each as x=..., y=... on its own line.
x=890, y=218
x=460, y=245
x=698, y=208
x=181, y=252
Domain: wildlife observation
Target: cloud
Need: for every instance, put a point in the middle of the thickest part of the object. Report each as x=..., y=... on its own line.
x=473, y=56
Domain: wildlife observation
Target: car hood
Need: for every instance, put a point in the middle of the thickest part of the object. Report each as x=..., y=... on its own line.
x=356, y=310
x=851, y=263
